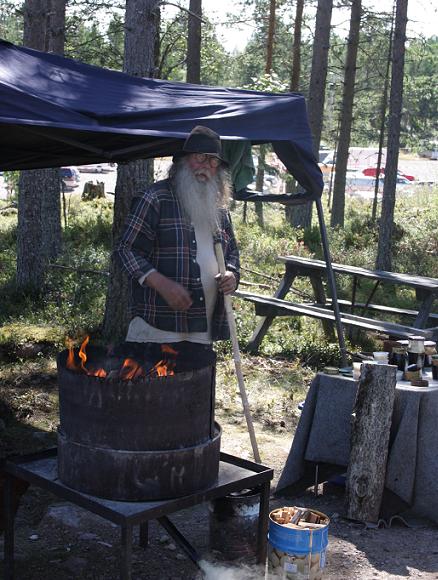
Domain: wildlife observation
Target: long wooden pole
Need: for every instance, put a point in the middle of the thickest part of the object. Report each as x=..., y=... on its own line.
x=236, y=356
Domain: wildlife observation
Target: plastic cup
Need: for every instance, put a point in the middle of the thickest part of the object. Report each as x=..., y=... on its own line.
x=357, y=368
x=381, y=357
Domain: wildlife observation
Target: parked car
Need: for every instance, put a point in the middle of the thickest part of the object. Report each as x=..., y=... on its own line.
x=372, y=172
x=364, y=185
x=97, y=168
x=326, y=162
x=70, y=176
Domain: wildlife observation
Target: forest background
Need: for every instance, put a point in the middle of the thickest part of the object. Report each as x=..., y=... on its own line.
x=56, y=273
x=346, y=57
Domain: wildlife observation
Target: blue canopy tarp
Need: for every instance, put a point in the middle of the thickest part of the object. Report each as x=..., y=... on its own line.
x=56, y=111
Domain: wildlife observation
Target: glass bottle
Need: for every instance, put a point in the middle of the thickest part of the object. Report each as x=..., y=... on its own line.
x=416, y=351
x=435, y=367
x=399, y=357
x=429, y=350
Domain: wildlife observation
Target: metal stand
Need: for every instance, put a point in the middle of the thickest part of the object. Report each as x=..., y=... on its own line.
x=331, y=281
x=40, y=469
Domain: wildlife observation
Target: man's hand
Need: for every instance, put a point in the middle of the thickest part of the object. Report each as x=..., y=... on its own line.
x=226, y=283
x=176, y=296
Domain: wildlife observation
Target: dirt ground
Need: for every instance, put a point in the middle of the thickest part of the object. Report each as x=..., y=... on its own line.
x=57, y=540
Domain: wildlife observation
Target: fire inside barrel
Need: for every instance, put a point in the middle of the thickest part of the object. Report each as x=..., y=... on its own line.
x=131, y=427
x=129, y=368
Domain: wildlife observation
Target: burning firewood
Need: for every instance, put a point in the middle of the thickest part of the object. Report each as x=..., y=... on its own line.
x=127, y=369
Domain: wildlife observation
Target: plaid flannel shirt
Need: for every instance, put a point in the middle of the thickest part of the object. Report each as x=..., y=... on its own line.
x=158, y=237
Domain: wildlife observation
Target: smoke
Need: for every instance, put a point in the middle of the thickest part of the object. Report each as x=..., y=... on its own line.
x=221, y=572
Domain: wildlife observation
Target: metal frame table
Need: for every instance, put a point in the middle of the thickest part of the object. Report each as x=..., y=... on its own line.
x=40, y=469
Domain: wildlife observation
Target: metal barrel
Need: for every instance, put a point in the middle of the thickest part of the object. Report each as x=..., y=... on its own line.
x=134, y=440
x=233, y=521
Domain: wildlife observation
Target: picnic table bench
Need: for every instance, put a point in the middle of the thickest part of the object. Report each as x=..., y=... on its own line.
x=268, y=308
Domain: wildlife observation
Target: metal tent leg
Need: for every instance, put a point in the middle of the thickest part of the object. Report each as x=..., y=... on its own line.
x=331, y=282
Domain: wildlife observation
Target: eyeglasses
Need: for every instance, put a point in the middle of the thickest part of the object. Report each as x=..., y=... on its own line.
x=211, y=159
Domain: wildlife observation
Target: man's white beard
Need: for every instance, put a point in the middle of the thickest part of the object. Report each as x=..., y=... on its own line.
x=198, y=199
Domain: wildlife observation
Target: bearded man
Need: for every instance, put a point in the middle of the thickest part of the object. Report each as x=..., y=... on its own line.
x=167, y=249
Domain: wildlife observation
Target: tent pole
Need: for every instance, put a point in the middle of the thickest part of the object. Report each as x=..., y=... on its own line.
x=331, y=282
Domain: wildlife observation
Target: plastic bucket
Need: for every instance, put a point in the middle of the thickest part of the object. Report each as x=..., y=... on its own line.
x=297, y=554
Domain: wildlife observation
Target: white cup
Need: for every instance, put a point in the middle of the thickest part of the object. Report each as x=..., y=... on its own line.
x=357, y=368
x=381, y=357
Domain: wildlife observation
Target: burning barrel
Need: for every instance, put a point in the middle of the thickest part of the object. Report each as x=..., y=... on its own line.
x=135, y=436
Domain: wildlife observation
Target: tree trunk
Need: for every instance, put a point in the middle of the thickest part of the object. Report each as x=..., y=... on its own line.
x=384, y=249
x=140, y=56
x=371, y=423
x=384, y=105
x=291, y=184
x=35, y=24
x=302, y=215
x=51, y=214
x=194, y=43
x=296, y=49
x=56, y=27
x=31, y=252
x=260, y=176
x=51, y=201
x=318, y=74
x=270, y=39
x=30, y=261
x=338, y=207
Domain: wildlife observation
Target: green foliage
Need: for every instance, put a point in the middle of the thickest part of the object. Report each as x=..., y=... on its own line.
x=12, y=179
x=20, y=333
x=88, y=42
x=11, y=21
x=72, y=300
x=215, y=61
x=420, y=95
x=268, y=83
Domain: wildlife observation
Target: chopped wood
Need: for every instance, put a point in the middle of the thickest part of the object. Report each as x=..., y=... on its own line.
x=297, y=517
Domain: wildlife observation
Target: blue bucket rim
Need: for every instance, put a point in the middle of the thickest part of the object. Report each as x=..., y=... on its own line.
x=272, y=521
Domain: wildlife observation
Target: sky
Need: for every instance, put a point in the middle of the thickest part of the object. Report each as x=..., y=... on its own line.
x=422, y=14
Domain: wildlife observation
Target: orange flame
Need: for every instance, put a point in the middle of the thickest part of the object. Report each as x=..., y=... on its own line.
x=131, y=370
x=71, y=359
x=167, y=348
x=82, y=354
x=161, y=369
x=97, y=373
x=80, y=367
x=165, y=367
x=71, y=362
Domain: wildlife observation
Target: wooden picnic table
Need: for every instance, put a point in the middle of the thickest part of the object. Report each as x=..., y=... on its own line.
x=268, y=308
